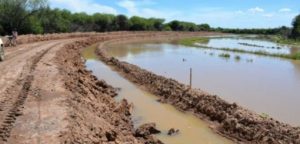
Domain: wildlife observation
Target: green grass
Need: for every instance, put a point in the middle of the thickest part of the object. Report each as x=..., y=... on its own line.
x=191, y=42
x=296, y=56
x=264, y=116
x=225, y=55
x=237, y=57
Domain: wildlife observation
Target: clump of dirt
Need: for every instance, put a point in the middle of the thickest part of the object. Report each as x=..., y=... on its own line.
x=146, y=131
x=229, y=119
x=94, y=115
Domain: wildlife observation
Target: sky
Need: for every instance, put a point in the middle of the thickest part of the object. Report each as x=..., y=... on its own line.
x=217, y=13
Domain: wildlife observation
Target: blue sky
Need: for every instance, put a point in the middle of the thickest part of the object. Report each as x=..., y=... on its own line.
x=217, y=13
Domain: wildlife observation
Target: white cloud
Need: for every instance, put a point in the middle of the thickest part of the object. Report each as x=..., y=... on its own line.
x=256, y=10
x=87, y=6
x=285, y=10
x=141, y=8
x=130, y=6
x=268, y=15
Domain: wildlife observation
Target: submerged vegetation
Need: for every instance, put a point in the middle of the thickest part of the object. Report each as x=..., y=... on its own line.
x=192, y=43
x=237, y=58
x=225, y=55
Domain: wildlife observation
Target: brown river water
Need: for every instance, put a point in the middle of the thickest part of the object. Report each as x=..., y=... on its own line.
x=147, y=109
x=266, y=85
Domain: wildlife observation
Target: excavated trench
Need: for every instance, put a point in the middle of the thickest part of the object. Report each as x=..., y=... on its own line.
x=146, y=108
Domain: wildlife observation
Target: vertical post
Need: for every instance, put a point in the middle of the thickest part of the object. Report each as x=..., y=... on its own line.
x=191, y=77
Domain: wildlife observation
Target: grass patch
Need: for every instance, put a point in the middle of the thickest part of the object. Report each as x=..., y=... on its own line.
x=237, y=57
x=225, y=55
x=264, y=116
x=296, y=56
x=192, y=41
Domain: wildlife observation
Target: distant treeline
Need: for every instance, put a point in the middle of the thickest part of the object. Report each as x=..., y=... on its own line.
x=36, y=17
x=281, y=30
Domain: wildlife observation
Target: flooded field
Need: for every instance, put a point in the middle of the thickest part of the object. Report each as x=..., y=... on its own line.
x=250, y=45
x=147, y=109
x=265, y=85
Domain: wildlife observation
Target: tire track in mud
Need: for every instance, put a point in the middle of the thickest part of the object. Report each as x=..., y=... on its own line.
x=11, y=107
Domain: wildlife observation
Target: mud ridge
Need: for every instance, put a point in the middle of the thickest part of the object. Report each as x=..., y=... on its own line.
x=228, y=119
x=16, y=109
x=94, y=115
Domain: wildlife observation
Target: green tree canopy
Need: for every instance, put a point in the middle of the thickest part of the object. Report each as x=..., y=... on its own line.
x=204, y=27
x=122, y=23
x=296, y=28
x=15, y=13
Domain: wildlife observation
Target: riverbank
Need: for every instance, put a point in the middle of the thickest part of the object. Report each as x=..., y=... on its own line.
x=228, y=119
x=203, y=40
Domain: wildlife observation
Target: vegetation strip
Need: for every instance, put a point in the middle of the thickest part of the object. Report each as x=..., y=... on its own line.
x=191, y=42
x=229, y=119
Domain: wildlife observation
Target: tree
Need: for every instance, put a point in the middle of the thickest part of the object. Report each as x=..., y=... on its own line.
x=15, y=13
x=296, y=28
x=138, y=23
x=104, y=22
x=204, y=27
x=183, y=26
x=33, y=25
x=175, y=26
x=156, y=24
x=55, y=20
x=167, y=28
x=122, y=23
x=82, y=22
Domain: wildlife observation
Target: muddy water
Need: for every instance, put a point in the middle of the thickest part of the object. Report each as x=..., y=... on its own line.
x=147, y=109
x=262, y=84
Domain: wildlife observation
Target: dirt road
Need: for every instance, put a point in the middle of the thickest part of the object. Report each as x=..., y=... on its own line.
x=26, y=72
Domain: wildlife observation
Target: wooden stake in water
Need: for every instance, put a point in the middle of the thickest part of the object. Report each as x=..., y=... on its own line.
x=191, y=77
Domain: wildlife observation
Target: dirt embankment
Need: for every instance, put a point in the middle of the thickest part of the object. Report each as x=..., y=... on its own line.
x=228, y=119
x=30, y=38
x=93, y=114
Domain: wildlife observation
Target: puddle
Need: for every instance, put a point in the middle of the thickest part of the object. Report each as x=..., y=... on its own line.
x=147, y=109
